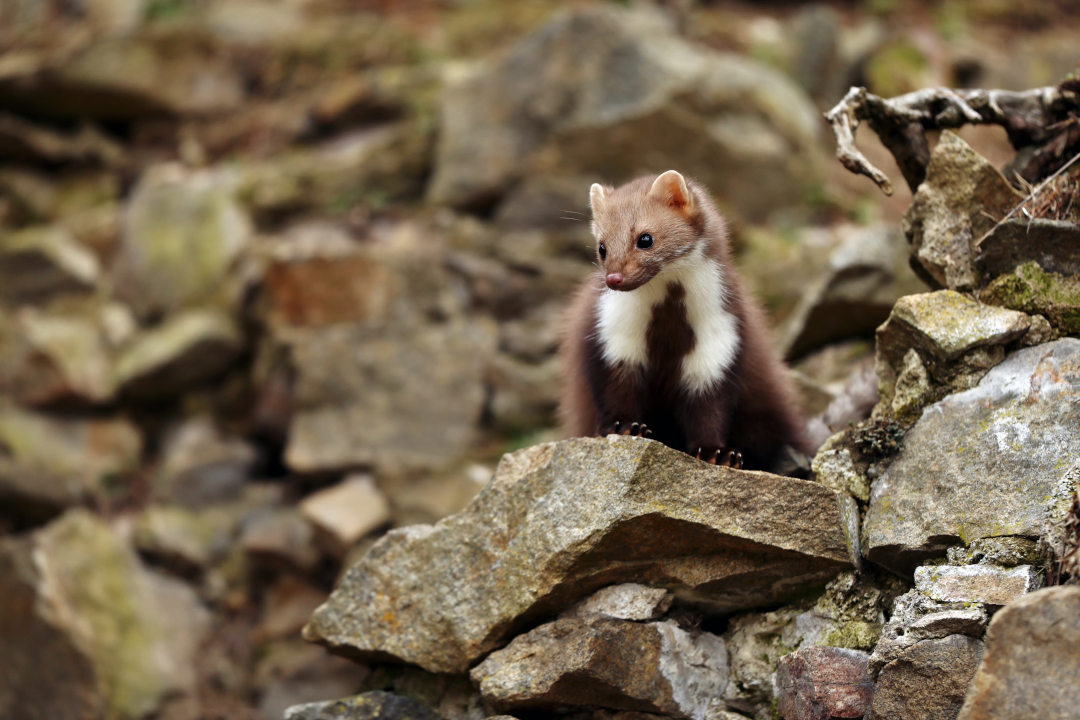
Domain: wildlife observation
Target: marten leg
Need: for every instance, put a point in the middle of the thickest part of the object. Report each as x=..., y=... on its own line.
x=620, y=399
x=706, y=422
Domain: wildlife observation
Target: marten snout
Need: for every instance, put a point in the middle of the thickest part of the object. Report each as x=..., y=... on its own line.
x=614, y=280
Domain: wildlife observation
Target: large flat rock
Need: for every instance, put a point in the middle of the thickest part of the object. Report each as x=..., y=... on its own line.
x=986, y=462
x=1032, y=660
x=562, y=520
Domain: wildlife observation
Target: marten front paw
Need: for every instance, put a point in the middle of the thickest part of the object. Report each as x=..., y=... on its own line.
x=632, y=429
x=725, y=457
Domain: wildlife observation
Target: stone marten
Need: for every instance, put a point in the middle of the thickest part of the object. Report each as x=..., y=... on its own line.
x=664, y=342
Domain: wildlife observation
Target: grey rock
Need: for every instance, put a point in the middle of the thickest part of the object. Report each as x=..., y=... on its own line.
x=603, y=662
x=376, y=398
x=977, y=583
x=867, y=274
x=952, y=209
x=981, y=463
x=1052, y=244
x=821, y=683
x=600, y=90
x=628, y=601
x=525, y=395
x=928, y=681
x=88, y=631
x=184, y=540
x=1032, y=660
x=346, y=512
x=562, y=520
x=48, y=464
x=201, y=466
x=293, y=672
x=835, y=468
x=916, y=617
x=38, y=264
x=191, y=347
x=375, y=705
x=1006, y=551
x=281, y=538
x=183, y=231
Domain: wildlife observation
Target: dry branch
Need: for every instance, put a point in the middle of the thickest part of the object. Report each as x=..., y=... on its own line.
x=1043, y=126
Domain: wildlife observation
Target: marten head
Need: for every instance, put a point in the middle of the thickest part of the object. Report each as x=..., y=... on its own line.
x=644, y=226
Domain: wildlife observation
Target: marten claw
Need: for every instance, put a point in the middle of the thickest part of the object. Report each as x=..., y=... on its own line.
x=723, y=457
x=630, y=430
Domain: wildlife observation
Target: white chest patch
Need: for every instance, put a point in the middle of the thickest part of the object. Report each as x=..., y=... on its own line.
x=624, y=321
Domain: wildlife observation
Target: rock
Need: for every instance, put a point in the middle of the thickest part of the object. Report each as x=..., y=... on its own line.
x=1031, y=289
x=54, y=359
x=526, y=395
x=603, y=662
x=200, y=466
x=821, y=683
x=946, y=325
x=126, y=78
x=1004, y=551
x=288, y=605
x=183, y=540
x=377, y=398
x=628, y=601
x=192, y=347
x=375, y=705
x=611, y=92
x=38, y=264
x=372, y=165
x=1051, y=244
x=916, y=617
x=867, y=274
x=928, y=681
x=324, y=291
x=566, y=519
x=281, y=538
x=977, y=583
x=430, y=498
x=980, y=463
x=1031, y=662
x=952, y=209
x=48, y=464
x=835, y=468
x=183, y=231
x=293, y=672
x=89, y=632
x=346, y=512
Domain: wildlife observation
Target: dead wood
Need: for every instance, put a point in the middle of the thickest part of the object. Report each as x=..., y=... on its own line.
x=1043, y=126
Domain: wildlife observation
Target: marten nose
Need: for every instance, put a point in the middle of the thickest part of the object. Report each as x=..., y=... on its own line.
x=614, y=280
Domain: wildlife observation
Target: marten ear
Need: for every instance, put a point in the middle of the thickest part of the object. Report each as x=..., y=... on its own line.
x=670, y=189
x=596, y=196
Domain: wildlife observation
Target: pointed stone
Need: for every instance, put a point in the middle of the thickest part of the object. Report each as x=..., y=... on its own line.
x=562, y=520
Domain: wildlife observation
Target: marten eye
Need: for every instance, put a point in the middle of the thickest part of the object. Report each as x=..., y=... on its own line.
x=603, y=252
x=644, y=241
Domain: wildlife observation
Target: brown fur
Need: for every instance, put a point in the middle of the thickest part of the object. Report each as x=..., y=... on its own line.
x=752, y=410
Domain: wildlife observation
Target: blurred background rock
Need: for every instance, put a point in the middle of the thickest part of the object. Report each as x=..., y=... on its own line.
x=277, y=275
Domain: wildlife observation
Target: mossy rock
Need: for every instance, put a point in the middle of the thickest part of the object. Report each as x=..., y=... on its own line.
x=1033, y=290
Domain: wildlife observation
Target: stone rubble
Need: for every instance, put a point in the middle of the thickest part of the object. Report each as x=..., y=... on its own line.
x=821, y=683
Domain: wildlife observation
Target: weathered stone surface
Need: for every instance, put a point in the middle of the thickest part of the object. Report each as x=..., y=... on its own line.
x=980, y=463
x=835, y=468
x=628, y=601
x=916, y=617
x=38, y=264
x=946, y=325
x=565, y=519
x=346, y=512
x=281, y=538
x=928, y=681
x=822, y=683
x=606, y=663
x=598, y=90
x=183, y=230
x=1052, y=244
x=193, y=346
x=976, y=583
x=375, y=705
x=867, y=274
x=368, y=398
x=47, y=463
x=1031, y=289
x=952, y=209
x=88, y=631
x=293, y=672
x=1032, y=660
x=184, y=540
